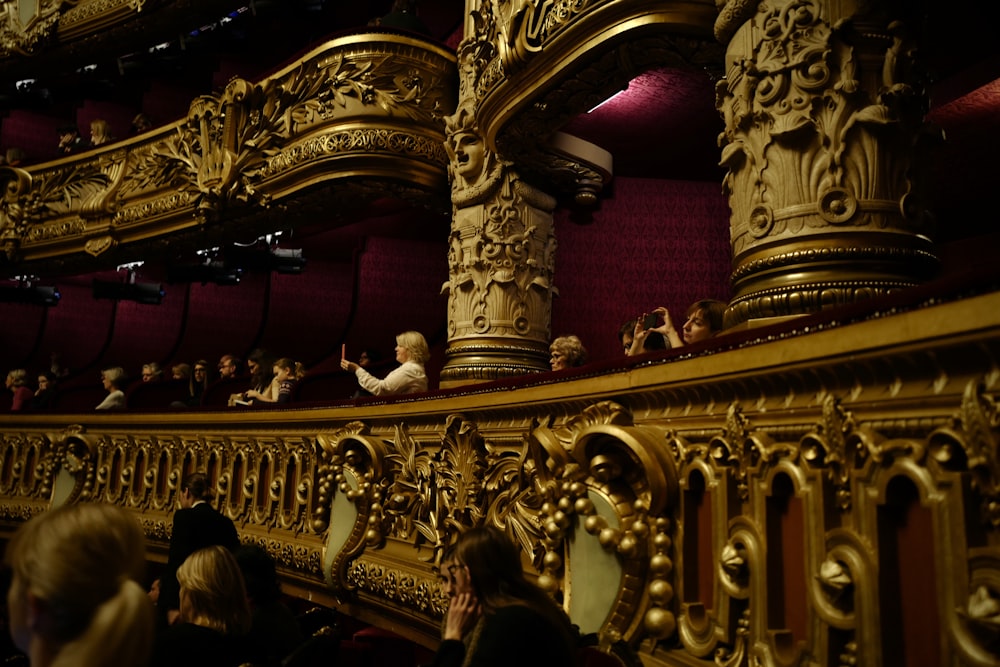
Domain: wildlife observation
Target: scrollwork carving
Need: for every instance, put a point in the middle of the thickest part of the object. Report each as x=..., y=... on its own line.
x=971, y=442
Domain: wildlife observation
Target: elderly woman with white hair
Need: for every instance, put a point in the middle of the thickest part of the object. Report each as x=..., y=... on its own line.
x=412, y=353
x=113, y=380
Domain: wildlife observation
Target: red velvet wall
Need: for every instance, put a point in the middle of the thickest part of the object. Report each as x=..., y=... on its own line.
x=142, y=333
x=166, y=102
x=22, y=325
x=652, y=243
x=222, y=319
x=35, y=134
x=400, y=290
x=77, y=329
x=309, y=312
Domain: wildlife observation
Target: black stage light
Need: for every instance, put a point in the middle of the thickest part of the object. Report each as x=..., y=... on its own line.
x=286, y=260
x=38, y=295
x=261, y=258
x=213, y=272
x=147, y=293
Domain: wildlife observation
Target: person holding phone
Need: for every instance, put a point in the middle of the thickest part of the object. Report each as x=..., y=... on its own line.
x=704, y=320
x=650, y=340
x=412, y=353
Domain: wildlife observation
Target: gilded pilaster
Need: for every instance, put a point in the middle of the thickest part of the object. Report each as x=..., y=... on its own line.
x=502, y=249
x=823, y=140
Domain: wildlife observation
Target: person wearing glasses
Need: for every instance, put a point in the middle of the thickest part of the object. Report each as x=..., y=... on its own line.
x=230, y=366
x=496, y=615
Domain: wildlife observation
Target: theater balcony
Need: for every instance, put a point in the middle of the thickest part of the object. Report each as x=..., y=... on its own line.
x=818, y=484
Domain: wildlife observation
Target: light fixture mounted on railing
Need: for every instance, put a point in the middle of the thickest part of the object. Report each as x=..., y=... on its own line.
x=23, y=289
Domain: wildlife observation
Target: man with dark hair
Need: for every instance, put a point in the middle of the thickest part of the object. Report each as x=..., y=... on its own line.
x=196, y=525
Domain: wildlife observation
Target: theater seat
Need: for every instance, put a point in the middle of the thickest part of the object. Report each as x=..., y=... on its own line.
x=319, y=650
x=217, y=394
x=157, y=395
x=388, y=648
x=329, y=386
x=79, y=399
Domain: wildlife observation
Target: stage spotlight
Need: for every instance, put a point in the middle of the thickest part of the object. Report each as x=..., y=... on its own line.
x=286, y=260
x=38, y=295
x=262, y=258
x=146, y=293
x=212, y=272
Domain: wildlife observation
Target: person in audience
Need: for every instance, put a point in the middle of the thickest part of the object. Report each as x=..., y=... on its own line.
x=704, y=320
x=648, y=342
x=152, y=372
x=114, y=380
x=181, y=371
x=70, y=140
x=17, y=382
x=275, y=631
x=45, y=395
x=261, y=365
x=70, y=605
x=199, y=382
x=154, y=591
x=214, y=616
x=412, y=352
x=196, y=525
x=15, y=156
x=141, y=123
x=286, y=374
x=230, y=366
x=56, y=365
x=100, y=132
x=495, y=615
x=567, y=352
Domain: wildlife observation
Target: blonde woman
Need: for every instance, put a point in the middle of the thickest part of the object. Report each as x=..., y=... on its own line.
x=100, y=132
x=17, y=382
x=412, y=353
x=215, y=614
x=72, y=606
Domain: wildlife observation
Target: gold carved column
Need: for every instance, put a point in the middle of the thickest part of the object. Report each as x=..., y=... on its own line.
x=502, y=249
x=500, y=264
x=823, y=142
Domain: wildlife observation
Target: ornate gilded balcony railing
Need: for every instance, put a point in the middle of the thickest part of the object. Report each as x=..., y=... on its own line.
x=824, y=493
x=357, y=118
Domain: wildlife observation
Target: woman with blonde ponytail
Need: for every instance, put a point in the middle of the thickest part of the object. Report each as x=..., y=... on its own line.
x=74, y=598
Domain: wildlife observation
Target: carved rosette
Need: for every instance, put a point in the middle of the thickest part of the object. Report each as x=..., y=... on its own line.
x=823, y=143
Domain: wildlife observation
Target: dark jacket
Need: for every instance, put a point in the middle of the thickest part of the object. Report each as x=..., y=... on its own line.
x=194, y=528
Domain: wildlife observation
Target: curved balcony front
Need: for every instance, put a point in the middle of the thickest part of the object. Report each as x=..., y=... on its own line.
x=358, y=118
